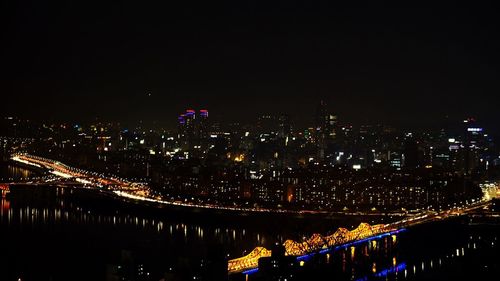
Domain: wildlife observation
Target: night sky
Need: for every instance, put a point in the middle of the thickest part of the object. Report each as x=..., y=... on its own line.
x=137, y=61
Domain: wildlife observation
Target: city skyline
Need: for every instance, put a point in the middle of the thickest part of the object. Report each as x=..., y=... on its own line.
x=171, y=124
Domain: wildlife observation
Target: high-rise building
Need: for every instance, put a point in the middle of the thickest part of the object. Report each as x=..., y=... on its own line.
x=474, y=144
x=193, y=128
x=325, y=124
x=181, y=126
x=203, y=126
x=411, y=153
x=190, y=118
x=285, y=127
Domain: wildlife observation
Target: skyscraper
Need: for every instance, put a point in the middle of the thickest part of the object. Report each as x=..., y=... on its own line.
x=193, y=128
x=203, y=125
x=285, y=127
x=325, y=124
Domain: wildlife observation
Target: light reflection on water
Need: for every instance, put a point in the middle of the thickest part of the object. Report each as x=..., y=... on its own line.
x=36, y=220
x=27, y=216
x=10, y=173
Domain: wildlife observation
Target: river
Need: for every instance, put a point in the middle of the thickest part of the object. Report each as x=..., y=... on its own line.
x=49, y=233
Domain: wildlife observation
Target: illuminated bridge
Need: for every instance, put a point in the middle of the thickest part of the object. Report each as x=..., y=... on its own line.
x=315, y=243
x=64, y=171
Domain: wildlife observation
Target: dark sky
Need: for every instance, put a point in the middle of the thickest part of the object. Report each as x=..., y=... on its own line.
x=401, y=65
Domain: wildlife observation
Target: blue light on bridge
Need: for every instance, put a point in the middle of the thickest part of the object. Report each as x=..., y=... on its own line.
x=306, y=257
x=325, y=251
x=335, y=248
x=251, y=271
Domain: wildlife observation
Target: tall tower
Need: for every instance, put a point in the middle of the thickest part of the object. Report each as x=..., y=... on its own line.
x=186, y=125
x=193, y=128
x=203, y=124
x=325, y=124
x=181, y=126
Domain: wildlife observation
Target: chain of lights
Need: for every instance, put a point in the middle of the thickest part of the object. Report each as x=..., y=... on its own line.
x=314, y=243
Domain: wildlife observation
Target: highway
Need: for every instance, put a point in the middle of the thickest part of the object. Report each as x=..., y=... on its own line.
x=128, y=190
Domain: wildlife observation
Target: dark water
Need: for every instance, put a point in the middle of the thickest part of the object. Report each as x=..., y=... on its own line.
x=46, y=234
x=13, y=173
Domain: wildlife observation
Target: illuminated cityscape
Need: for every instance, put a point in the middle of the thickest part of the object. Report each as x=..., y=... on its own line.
x=239, y=142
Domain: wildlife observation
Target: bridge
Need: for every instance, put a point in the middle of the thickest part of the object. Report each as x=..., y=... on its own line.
x=61, y=170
